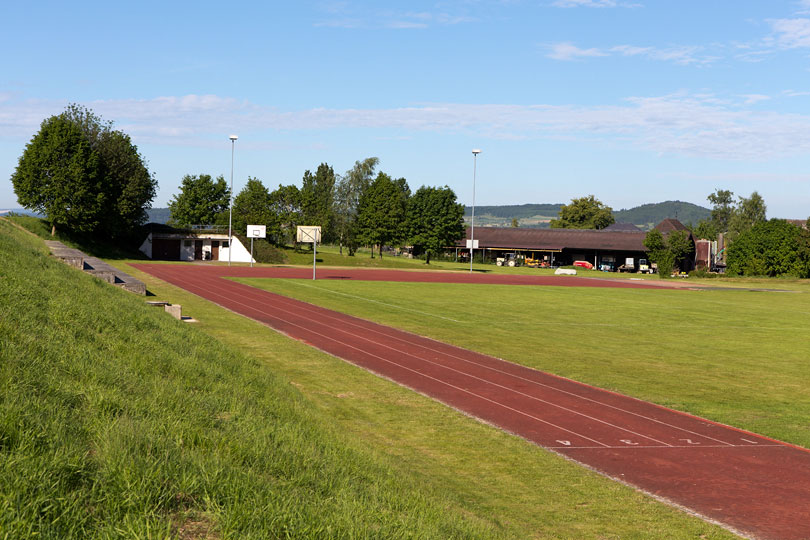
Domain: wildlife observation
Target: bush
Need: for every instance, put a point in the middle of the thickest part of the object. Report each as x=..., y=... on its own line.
x=263, y=251
x=703, y=273
x=770, y=248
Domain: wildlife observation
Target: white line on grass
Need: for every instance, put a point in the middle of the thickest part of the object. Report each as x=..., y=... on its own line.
x=373, y=301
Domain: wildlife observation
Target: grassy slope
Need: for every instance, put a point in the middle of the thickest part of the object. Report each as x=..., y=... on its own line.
x=525, y=491
x=118, y=421
x=738, y=357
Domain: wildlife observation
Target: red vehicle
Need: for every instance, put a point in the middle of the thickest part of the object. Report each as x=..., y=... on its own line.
x=583, y=264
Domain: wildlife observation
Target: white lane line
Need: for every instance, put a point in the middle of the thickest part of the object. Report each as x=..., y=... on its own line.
x=321, y=314
x=297, y=304
x=531, y=381
x=483, y=398
x=692, y=447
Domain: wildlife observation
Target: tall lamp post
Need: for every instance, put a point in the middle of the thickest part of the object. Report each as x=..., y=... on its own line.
x=475, y=153
x=230, y=203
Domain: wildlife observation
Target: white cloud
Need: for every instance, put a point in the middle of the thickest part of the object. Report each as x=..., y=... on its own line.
x=583, y=3
x=682, y=124
x=750, y=99
x=569, y=51
x=791, y=33
x=593, y=4
x=344, y=15
x=685, y=55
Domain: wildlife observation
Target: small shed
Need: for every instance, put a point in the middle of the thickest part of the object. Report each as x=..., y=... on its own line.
x=174, y=244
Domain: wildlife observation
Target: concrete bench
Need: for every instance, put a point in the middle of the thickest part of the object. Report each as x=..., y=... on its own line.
x=97, y=267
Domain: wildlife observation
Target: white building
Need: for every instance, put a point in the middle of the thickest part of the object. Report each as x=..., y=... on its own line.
x=169, y=244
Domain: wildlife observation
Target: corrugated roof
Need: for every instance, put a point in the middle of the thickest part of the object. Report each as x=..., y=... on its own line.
x=559, y=239
x=556, y=239
x=622, y=227
x=669, y=225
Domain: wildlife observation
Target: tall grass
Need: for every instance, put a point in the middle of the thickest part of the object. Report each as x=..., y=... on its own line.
x=119, y=421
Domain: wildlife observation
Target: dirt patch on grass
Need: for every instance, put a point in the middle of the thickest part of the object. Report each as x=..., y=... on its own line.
x=194, y=526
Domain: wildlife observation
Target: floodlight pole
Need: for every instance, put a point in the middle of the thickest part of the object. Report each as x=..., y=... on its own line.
x=230, y=206
x=475, y=153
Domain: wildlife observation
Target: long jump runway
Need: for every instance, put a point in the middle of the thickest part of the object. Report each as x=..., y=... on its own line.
x=753, y=485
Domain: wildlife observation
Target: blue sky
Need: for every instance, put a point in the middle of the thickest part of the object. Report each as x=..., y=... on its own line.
x=632, y=101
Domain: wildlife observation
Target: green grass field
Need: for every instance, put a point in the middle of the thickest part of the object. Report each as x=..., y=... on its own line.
x=134, y=414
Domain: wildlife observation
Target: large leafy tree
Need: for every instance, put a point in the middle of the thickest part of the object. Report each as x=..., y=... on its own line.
x=722, y=209
x=705, y=229
x=681, y=246
x=201, y=201
x=749, y=212
x=128, y=186
x=770, y=248
x=584, y=213
x=285, y=204
x=347, y=197
x=59, y=176
x=318, y=200
x=435, y=220
x=122, y=186
x=252, y=207
x=381, y=212
x=668, y=251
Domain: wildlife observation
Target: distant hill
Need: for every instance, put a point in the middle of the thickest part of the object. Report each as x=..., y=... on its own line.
x=158, y=215
x=22, y=211
x=648, y=216
x=645, y=216
x=528, y=215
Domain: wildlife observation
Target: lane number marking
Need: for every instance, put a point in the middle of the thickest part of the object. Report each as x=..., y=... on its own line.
x=565, y=443
x=689, y=441
x=628, y=441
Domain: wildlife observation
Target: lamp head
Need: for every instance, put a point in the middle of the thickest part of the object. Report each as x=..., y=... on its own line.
x=476, y=151
x=233, y=137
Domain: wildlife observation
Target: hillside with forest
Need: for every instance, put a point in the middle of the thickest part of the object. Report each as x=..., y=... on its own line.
x=645, y=216
x=648, y=216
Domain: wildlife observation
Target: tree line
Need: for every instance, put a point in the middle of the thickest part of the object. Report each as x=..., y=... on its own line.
x=86, y=177
x=362, y=207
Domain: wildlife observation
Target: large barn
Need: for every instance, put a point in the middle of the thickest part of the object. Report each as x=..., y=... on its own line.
x=608, y=248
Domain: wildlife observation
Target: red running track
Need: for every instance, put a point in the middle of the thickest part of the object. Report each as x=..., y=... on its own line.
x=751, y=484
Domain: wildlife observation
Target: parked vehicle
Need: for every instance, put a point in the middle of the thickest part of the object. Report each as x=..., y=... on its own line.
x=628, y=266
x=644, y=267
x=533, y=263
x=510, y=259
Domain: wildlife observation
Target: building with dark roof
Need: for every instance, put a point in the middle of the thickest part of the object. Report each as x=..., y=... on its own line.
x=608, y=248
